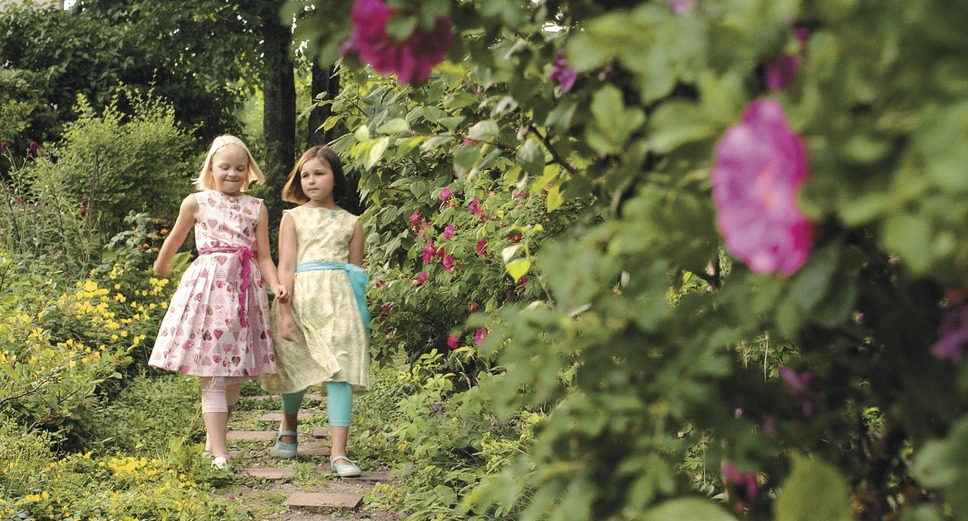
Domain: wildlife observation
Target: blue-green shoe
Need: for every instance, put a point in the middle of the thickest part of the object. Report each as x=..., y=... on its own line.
x=284, y=449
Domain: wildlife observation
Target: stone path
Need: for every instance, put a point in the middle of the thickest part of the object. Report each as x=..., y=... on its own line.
x=298, y=489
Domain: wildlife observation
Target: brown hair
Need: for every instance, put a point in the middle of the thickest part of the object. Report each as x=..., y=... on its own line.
x=292, y=192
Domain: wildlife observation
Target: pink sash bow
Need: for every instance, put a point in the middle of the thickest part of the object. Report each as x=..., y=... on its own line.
x=245, y=255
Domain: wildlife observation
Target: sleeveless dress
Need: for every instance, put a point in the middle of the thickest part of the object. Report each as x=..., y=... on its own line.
x=331, y=342
x=218, y=321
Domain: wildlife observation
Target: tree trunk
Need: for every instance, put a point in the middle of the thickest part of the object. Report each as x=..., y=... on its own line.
x=279, y=107
x=325, y=87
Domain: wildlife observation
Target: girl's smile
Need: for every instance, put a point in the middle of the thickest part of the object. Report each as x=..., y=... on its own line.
x=230, y=168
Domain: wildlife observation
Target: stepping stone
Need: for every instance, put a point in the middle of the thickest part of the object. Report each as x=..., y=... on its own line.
x=313, y=396
x=372, y=477
x=306, y=450
x=323, y=500
x=277, y=416
x=250, y=435
x=270, y=473
x=258, y=397
x=320, y=432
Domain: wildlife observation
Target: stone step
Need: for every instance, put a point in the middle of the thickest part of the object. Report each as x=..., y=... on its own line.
x=378, y=476
x=269, y=473
x=306, y=449
x=323, y=500
x=277, y=416
x=320, y=432
x=250, y=435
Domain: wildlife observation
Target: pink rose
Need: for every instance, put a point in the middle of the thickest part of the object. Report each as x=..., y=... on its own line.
x=445, y=194
x=411, y=59
x=448, y=232
x=760, y=164
x=480, y=335
x=452, y=342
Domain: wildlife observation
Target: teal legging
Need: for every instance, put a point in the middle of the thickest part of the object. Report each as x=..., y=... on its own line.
x=339, y=403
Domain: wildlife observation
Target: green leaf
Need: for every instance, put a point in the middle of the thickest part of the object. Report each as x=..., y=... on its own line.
x=531, y=157
x=813, y=490
x=376, y=152
x=554, y=199
x=394, y=126
x=486, y=130
x=517, y=268
x=676, y=123
x=689, y=508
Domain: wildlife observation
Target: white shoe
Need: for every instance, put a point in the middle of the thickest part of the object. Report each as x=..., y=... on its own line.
x=220, y=462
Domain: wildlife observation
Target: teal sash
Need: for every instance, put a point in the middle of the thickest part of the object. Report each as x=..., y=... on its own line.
x=358, y=279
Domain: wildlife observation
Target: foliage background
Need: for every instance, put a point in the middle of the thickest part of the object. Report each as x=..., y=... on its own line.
x=582, y=346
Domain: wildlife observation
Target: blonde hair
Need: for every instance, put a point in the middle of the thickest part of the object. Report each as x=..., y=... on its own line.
x=206, y=180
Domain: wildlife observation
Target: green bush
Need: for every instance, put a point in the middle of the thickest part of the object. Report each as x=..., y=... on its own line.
x=36, y=484
x=115, y=164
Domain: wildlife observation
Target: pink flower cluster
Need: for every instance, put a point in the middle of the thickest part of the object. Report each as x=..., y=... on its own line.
x=564, y=75
x=746, y=481
x=760, y=165
x=781, y=71
x=953, y=331
x=411, y=59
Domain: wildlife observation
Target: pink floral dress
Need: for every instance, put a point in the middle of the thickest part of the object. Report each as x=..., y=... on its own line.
x=218, y=321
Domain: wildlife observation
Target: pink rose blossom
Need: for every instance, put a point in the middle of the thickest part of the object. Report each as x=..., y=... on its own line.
x=562, y=74
x=514, y=237
x=760, y=164
x=747, y=480
x=681, y=6
x=422, y=278
x=428, y=252
x=952, y=334
x=448, y=263
x=474, y=306
x=448, y=232
x=453, y=342
x=34, y=145
x=480, y=335
x=481, y=248
x=781, y=72
x=415, y=219
x=475, y=208
x=411, y=59
x=445, y=194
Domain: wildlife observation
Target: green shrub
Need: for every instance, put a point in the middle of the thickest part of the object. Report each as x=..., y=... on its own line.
x=35, y=484
x=119, y=163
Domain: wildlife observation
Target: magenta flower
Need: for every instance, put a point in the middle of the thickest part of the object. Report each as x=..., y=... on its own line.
x=564, y=75
x=801, y=386
x=448, y=263
x=449, y=232
x=681, y=6
x=474, y=306
x=34, y=145
x=422, y=278
x=415, y=219
x=760, y=164
x=411, y=59
x=781, y=72
x=747, y=480
x=480, y=335
x=445, y=194
x=952, y=334
x=453, y=342
x=515, y=237
x=428, y=252
x=475, y=208
x=481, y=248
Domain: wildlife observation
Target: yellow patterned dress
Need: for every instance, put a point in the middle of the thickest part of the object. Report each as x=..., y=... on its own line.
x=331, y=342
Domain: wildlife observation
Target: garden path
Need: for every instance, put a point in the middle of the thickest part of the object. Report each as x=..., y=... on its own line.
x=299, y=489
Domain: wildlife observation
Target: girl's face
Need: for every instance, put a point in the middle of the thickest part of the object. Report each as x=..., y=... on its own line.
x=316, y=179
x=230, y=168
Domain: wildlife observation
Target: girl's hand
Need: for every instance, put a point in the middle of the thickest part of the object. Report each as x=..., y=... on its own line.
x=287, y=327
x=281, y=293
x=162, y=269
